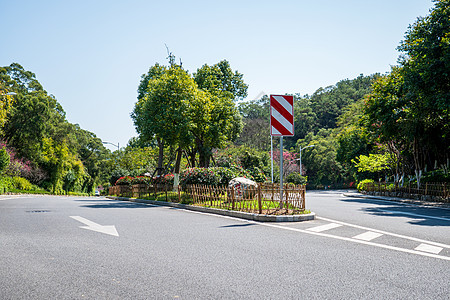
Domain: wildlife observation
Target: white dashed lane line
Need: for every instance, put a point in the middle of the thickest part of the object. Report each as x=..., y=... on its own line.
x=386, y=233
x=429, y=248
x=324, y=227
x=367, y=236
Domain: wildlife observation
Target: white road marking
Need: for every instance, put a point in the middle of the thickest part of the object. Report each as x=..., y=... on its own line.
x=385, y=232
x=324, y=227
x=367, y=236
x=18, y=197
x=421, y=253
x=107, y=229
x=322, y=234
x=415, y=215
x=429, y=248
x=355, y=241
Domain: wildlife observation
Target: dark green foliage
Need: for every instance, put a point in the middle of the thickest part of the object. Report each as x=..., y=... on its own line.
x=296, y=178
x=409, y=109
x=4, y=160
x=217, y=175
x=322, y=109
x=220, y=79
x=37, y=130
x=243, y=156
x=436, y=176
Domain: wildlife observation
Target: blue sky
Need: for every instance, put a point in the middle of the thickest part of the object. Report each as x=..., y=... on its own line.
x=91, y=54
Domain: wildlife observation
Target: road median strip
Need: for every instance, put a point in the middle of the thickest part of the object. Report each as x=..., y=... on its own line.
x=230, y=213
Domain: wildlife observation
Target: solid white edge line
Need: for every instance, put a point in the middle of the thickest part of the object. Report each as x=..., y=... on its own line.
x=385, y=232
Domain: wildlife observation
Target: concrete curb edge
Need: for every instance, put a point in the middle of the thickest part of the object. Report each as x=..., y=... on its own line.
x=229, y=213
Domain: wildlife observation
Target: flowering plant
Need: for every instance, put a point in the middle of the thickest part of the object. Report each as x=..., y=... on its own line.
x=125, y=180
x=166, y=179
x=219, y=175
x=19, y=166
x=141, y=180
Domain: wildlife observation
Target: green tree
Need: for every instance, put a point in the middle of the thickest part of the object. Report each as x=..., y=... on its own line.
x=426, y=84
x=353, y=138
x=214, y=121
x=222, y=86
x=161, y=113
x=319, y=162
x=256, y=123
x=220, y=79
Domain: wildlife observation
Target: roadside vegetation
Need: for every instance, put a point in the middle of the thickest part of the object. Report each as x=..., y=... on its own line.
x=391, y=127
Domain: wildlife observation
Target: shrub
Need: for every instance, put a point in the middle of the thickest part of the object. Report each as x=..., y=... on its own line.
x=4, y=159
x=198, y=176
x=22, y=184
x=218, y=175
x=141, y=180
x=258, y=175
x=223, y=175
x=362, y=185
x=125, y=180
x=436, y=176
x=296, y=178
x=6, y=184
x=166, y=179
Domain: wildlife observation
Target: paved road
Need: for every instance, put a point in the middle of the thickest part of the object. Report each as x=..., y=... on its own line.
x=54, y=248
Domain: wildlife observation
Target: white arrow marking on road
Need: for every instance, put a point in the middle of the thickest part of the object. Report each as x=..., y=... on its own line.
x=107, y=229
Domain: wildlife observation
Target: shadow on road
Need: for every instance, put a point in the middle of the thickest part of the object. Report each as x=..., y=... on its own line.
x=236, y=225
x=423, y=216
x=113, y=204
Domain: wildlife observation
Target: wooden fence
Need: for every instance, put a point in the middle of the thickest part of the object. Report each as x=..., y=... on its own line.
x=262, y=199
x=427, y=191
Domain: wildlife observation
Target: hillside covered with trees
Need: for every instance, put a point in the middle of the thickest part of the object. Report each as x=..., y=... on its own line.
x=382, y=126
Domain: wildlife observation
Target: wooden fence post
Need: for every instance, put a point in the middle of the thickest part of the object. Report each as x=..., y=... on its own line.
x=232, y=198
x=304, y=197
x=287, y=199
x=259, y=200
x=165, y=190
x=445, y=190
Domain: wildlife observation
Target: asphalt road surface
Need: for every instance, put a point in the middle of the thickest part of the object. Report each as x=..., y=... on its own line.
x=94, y=248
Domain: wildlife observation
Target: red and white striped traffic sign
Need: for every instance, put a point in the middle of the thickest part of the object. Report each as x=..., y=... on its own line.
x=281, y=115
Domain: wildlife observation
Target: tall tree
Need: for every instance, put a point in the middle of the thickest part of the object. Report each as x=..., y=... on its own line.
x=409, y=108
x=161, y=112
x=220, y=79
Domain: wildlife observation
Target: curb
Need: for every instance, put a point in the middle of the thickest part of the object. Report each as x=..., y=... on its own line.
x=222, y=212
x=401, y=200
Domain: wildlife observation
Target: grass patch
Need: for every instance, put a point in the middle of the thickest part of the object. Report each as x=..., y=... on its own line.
x=268, y=207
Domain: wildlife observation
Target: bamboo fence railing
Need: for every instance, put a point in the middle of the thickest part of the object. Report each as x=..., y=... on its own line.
x=433, y=191
x=262, y=199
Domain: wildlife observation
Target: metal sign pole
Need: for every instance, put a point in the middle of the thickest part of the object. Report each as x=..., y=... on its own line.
x=281, y=172
x=271, y=155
